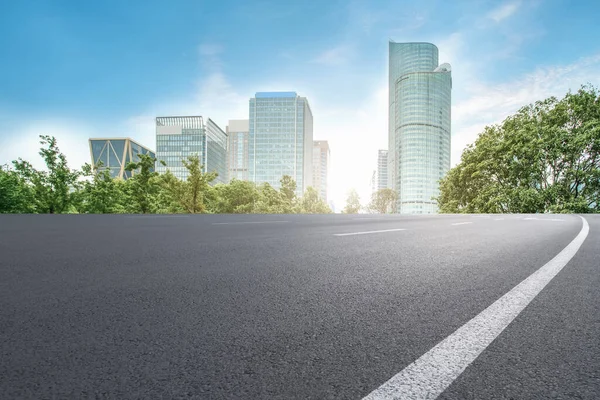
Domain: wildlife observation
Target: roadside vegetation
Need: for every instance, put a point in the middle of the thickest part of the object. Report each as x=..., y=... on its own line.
x=544, y=158
x=58, y=189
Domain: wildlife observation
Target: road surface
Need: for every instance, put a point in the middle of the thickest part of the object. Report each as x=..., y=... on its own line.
x=300, y=307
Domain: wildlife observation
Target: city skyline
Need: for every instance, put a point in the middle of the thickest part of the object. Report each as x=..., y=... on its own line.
x=504, y=55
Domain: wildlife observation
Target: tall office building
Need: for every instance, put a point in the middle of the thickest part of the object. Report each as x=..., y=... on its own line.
x=113, y=154
x=180, y=137
x=419, y=125
x=281, y=139
x=237, y=148
x=320, y=171
x=382, y=169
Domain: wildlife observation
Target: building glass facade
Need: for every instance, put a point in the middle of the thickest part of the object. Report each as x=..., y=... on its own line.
x=321, y=155
x=180, y=137
x=419, y=125
x=280, y=139
x=382, y=169
x=114, y=154
x=238, y=132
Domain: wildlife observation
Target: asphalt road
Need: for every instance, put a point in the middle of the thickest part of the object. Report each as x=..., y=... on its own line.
x=288, y=306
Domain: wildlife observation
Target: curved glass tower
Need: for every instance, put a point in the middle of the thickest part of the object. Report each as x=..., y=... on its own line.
x=419, y=125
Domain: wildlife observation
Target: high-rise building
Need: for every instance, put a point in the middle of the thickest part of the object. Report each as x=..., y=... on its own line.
x=419, y=125
x=281, y=139
x=180, y=137
x=382, y=169
x=373, y=182
x=114, y=154
x=237, y=149
x=321, y=154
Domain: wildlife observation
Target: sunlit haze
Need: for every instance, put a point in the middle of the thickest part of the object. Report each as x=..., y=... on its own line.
x=97, y=69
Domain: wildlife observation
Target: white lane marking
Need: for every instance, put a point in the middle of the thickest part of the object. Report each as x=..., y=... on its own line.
x=480, y=216
x=367, y=232
x=434, y=371
x=498, y=219
x=248, y=222
x=461, y=223
x=358, y=219
x=543, y=219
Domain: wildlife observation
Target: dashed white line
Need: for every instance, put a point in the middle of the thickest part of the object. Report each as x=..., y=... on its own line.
x=461, y=223
x=367, y=232
x=498, y=219
x=433, y=372
x=248, y=222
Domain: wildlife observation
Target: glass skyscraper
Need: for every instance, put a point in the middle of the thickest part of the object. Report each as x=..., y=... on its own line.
x=382, y=169
x=419, y=125
x=180, y=137
x=280, y=139
x=113, y=154
x=321, y=155
x=237, y=135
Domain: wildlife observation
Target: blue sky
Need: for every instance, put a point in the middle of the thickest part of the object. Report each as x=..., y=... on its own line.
x=77, y=69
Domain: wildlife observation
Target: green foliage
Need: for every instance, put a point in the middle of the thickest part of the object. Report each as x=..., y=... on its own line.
x=193, y=191
x=352, y=203
x=59, y=190
x=142, y=189
x=311, y=203
x=545, y=158
x=52, y=189
x=100, y=194
x=16, y=197
x=383, y=201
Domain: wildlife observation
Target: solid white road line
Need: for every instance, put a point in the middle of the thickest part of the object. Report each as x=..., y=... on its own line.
x=498, y=219
x=367, y=232
x=249, y=222
x=461, y=223
x=433, y=372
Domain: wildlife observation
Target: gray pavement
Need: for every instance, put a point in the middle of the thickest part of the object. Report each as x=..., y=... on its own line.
x=278, y=306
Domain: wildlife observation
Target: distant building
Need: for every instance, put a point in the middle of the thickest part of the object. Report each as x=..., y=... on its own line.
x=180, y=137
x=419, y=125
x=321, y=155
x=281, y=139
x=238, y=132
x=373, y=182
x=382, y=169
x=114, y=154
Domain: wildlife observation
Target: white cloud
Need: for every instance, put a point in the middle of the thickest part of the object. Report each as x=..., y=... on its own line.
x=504, y=11
x=336, y=56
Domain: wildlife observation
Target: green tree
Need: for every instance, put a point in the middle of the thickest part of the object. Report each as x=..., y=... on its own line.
x=194, y=190
x=288, y=192
x=545, y=158
x=52, y=189
x=311, y=203
x=237, y=197
x=16, y=196
x=270, y=201
x=169, y=194
x=383, y=201
x=141, y=188
x=352, y=203
x=100, y=194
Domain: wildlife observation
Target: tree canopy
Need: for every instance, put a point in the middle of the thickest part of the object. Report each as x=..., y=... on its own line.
x=545, y=158
x=58, y=189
